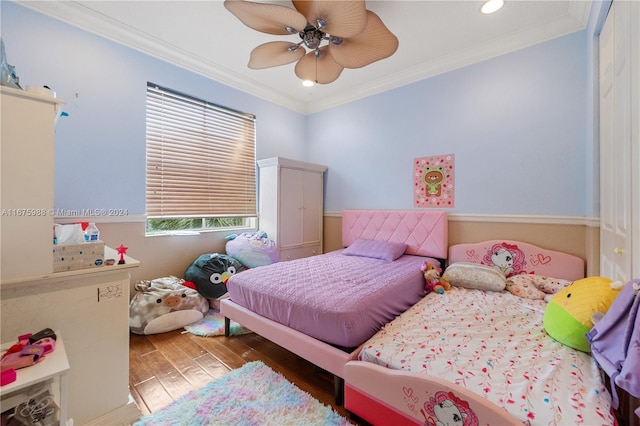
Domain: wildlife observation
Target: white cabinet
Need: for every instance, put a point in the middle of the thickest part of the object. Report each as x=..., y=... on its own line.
x=291, y=205
x=26, y=153
x=90, y=308
x=620, y=142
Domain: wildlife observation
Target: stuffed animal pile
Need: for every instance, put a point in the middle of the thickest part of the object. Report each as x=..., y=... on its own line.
x=434, y=282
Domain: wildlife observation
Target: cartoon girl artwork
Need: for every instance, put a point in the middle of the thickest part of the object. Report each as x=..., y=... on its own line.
x=508, y=258
x=446, y=409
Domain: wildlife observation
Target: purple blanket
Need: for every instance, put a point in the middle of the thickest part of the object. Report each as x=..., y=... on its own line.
x=341, y=300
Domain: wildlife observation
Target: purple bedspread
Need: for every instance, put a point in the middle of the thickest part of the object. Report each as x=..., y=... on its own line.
x=341, y=300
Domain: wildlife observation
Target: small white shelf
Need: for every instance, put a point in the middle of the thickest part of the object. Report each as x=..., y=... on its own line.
x=54, y=365
x=109, y=253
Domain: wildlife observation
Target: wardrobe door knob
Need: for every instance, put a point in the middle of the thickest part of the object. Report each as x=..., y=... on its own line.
x=618, y=250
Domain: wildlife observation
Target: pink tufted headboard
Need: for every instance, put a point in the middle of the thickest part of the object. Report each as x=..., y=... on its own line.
x=528, y=258
x=426, y=233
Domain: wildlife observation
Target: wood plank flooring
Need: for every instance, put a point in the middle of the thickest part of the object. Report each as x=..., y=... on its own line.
x=163, y=367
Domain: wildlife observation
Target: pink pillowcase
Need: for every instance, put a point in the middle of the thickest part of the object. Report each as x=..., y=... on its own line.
x=537, y=287
x=384, y=250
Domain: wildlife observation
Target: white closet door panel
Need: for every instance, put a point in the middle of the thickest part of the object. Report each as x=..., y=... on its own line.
x=291, y=205
x=607, y=219
x=622, y=142
x=615, y=144
x=313, y=208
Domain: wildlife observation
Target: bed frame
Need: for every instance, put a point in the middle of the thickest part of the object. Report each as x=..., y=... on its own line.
x=424, y=232
x=383, y=396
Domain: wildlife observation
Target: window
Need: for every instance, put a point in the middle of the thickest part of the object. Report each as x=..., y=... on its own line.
x=201, y=169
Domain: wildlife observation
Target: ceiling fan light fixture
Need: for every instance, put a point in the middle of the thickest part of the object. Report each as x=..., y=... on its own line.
x=491, y=6
x=308, y=83
x=333, y=35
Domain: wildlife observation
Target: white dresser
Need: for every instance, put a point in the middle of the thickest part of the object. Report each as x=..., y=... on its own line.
x=291, y=205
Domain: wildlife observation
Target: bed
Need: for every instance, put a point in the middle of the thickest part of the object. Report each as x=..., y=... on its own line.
x=478, y=355
x=323, y=307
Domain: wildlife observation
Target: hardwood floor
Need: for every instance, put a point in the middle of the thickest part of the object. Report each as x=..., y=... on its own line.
x=163, y=367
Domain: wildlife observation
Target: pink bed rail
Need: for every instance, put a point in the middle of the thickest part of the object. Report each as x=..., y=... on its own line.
x=393, y=397
x=315, y=351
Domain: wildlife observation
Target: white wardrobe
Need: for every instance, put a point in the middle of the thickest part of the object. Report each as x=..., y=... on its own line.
x=620, y=142
x=26, y=152
x=291, y=205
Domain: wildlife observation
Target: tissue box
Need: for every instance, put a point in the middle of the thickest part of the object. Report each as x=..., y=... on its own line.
x=69, y=257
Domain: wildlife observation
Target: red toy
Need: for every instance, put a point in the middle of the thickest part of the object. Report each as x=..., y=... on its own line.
x=121, y=251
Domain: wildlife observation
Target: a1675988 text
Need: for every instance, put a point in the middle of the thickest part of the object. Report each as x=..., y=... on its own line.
x=63, y=212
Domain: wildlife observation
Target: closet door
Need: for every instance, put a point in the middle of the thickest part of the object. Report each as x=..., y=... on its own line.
x=312, y=209
x=616, y=145
x=291, y=207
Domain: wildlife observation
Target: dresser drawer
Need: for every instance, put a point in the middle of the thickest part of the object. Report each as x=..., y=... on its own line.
x=298, y=252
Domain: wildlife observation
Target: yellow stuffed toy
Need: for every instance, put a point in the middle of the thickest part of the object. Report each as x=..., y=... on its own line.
x=569, y=314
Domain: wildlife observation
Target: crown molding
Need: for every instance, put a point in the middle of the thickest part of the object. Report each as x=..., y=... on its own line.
x=80, y=16
x=577, y=20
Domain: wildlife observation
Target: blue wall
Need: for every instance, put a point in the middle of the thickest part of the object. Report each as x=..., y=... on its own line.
x=100, y=147
x=520, y=125
x=516, y=124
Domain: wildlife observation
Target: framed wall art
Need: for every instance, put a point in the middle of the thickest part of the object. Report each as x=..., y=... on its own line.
x=433, y=181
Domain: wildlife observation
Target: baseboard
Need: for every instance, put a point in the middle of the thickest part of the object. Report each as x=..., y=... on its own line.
x=124, y=415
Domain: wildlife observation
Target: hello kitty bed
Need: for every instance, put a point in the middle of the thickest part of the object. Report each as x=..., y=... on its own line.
x=478, y=353
x=319, y=307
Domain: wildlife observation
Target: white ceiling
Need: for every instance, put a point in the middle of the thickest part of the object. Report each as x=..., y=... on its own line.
x=435, y=37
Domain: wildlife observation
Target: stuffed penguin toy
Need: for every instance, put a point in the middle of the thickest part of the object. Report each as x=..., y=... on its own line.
x=210, y=273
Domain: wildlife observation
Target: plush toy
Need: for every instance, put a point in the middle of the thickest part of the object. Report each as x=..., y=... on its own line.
x=210, y=273
x=165, y=304
x=252, y=249
x=434, y=282
x=570, y=314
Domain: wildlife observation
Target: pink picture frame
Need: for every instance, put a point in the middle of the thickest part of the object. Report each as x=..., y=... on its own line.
x=433, y=181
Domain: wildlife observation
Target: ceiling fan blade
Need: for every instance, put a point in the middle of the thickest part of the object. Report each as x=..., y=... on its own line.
x=273, y=54
x=323, y=69
x=374, y=43
x=343, y=18
x=267, y=18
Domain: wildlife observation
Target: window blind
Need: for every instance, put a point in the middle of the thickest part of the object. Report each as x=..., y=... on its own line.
x=200, y=158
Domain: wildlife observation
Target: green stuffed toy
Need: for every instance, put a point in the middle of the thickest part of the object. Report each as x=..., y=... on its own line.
x=570, y=314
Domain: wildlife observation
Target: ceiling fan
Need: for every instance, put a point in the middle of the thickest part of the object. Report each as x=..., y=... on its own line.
x=355, y=37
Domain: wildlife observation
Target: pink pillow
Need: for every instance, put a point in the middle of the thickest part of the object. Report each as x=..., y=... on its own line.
x=384, y=250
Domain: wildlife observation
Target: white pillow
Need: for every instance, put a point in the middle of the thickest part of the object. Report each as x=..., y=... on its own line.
x=475, y=276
